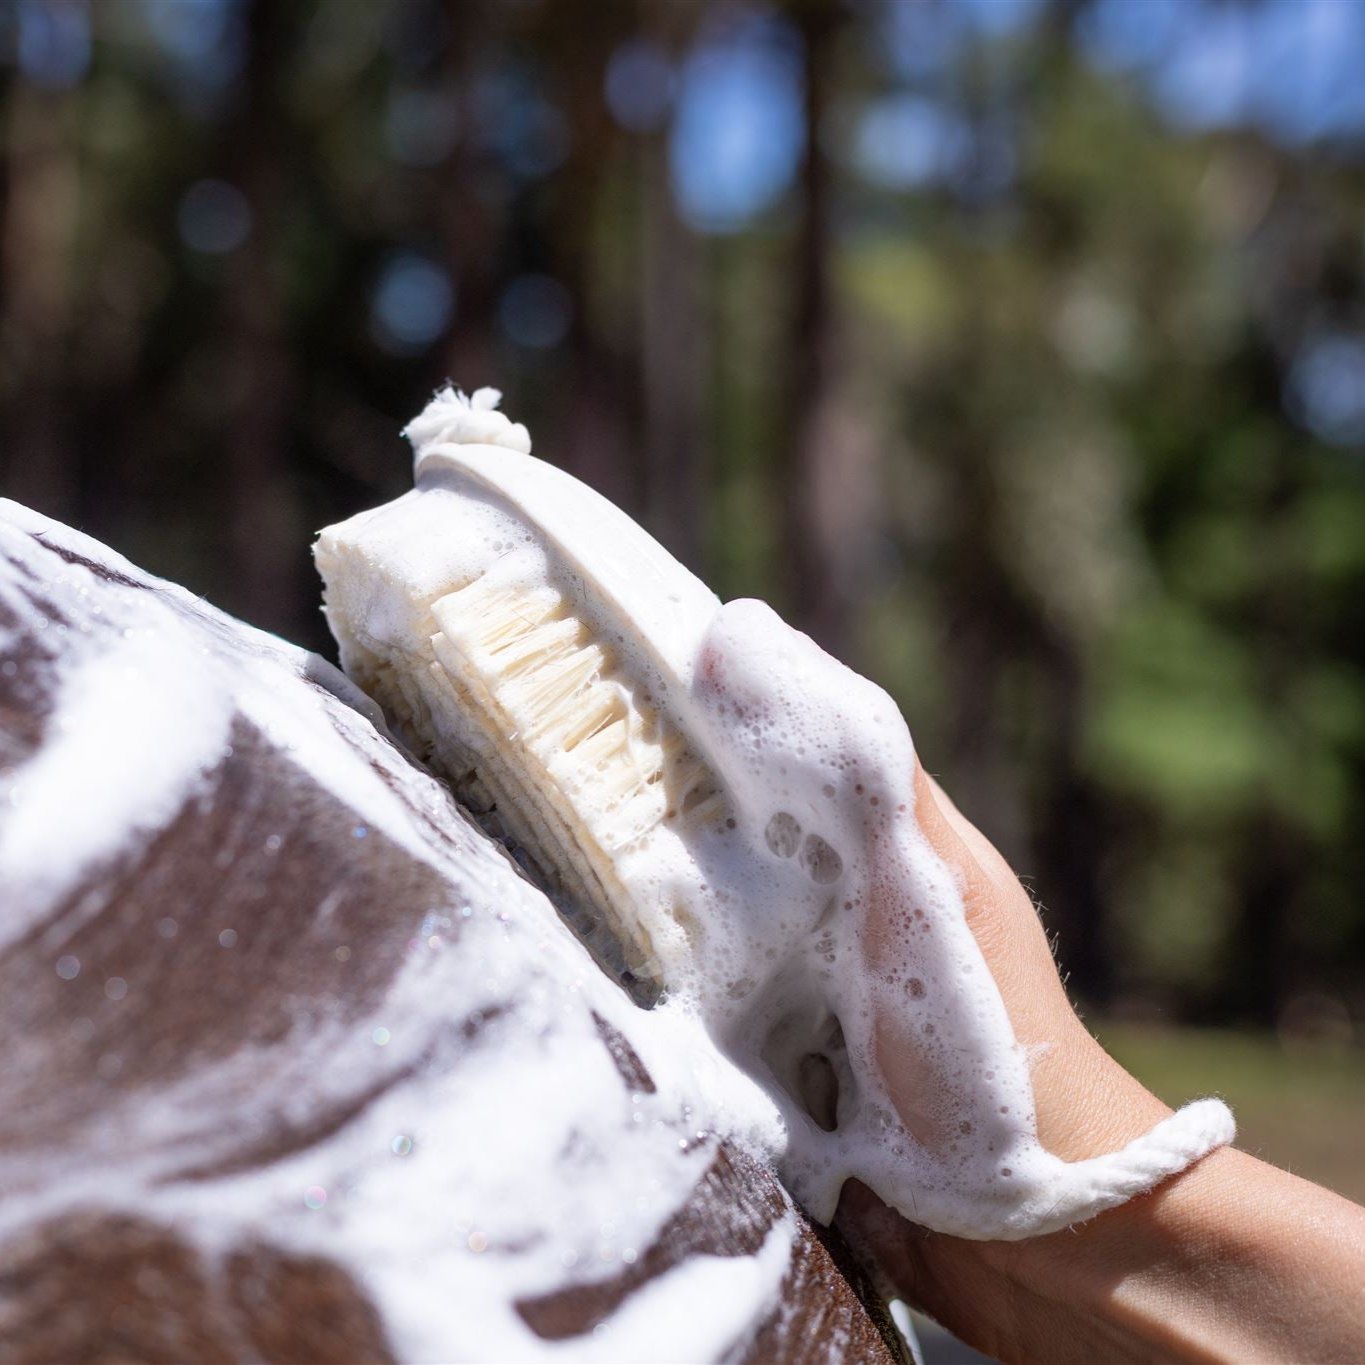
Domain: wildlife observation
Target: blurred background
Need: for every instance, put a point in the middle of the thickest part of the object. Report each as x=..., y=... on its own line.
x=1013, y=348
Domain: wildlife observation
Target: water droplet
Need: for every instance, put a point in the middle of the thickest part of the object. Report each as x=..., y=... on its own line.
x=68, y=967
x=116, y=988
x=228, y=938
x=314, y=1197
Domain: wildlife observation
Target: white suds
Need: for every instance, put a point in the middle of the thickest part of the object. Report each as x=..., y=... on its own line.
x=493, y=1150
x=666, y=1311
x=134, y=731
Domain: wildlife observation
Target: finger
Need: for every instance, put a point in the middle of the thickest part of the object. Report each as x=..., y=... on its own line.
x=998, y=910
x=1068, y=1067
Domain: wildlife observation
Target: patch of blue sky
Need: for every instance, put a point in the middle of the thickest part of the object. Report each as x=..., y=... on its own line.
x=412, y=303
x=923, y=39
x=202, y=43
x=999, y=17
x=1325, y=389
x=638, y=85
x=1202, y=81
x=917, y=40
x=739, y=130
x=905, y=141
x=1289, y=67
x=511, y=116
x=53, y=44
x=1120, y=35
x=1309, y=68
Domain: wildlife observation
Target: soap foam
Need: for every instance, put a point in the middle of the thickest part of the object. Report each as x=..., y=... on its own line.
x=810, y=926
x=491, y=1152
x=852, y=930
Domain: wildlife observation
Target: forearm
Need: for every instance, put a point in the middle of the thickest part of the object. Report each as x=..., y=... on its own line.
x=1233, y=1260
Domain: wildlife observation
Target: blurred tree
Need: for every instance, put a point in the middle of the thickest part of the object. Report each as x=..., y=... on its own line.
x=1017, y=349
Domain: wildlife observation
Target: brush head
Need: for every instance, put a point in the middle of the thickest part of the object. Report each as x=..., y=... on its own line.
x=525, y=638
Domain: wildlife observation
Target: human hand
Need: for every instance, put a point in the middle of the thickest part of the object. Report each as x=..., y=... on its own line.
x=1232, y=1259
x=1087, y=1104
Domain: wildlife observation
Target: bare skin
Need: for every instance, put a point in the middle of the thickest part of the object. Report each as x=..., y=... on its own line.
x=1233, y=1260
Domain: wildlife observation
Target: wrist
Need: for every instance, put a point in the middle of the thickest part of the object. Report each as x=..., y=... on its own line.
x=1115, y=1288
x=1230, y=1260
x=1049, y=1297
